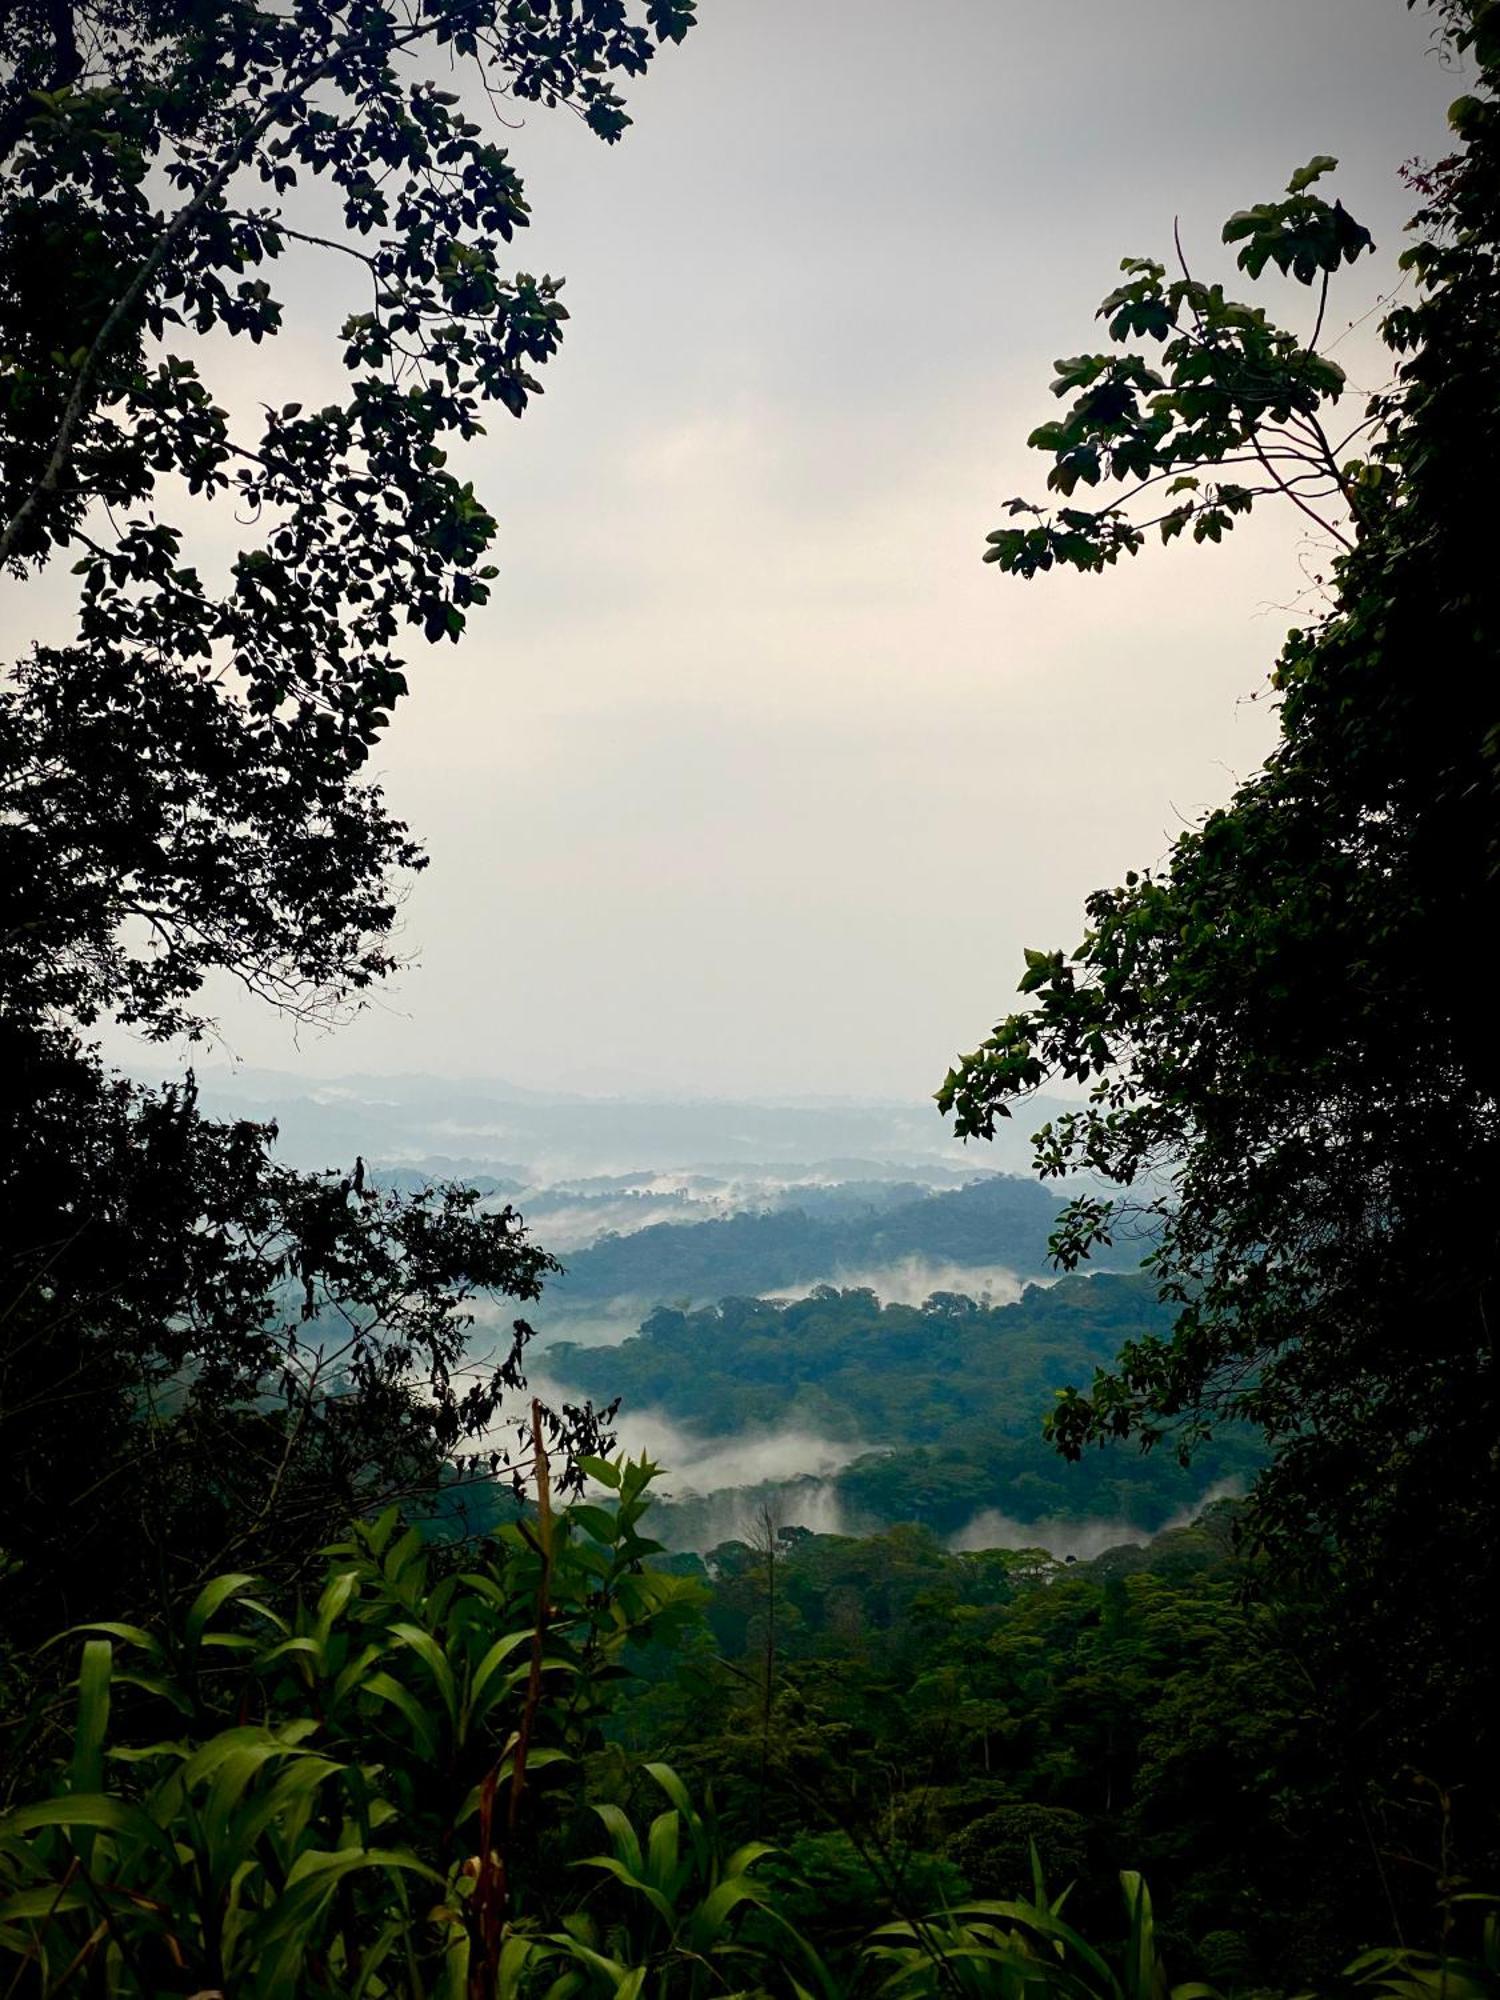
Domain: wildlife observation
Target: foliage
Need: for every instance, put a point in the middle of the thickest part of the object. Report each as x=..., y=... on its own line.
x=247, y=1353
x=1232, y=389
x=1024, y=1946
x=180, y=784
x=208, y=1358
x=385, y=1787
x=1152, y=1707
x=674, y=1920
x=1287, y=1066
x=327, y=1797
x=368, y=1792
x=1399, y=1973
x=992, y=1850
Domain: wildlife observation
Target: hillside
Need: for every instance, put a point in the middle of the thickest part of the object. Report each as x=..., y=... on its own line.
x=1000, y=1222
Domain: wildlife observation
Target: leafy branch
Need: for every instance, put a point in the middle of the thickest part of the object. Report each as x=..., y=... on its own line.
x=1228, y=389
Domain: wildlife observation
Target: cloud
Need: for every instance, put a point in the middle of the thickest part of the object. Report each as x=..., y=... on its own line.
x=1080, y=1540
x=911, y=1281
x=696, y=1467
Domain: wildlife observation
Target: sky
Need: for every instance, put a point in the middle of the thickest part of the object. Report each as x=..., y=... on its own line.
x=753, y=779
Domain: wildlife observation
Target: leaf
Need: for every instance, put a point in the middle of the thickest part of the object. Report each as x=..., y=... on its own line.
x=595, y=1521
x=662, y=1849
x=611, y=1865
x=1077, y=371
x=210, y=1599
x=672, y=1785
x=745, y=1857
x=92, y=1725
x=432, y=1656
x=485, y=1671
x=622, y=1833
x=274, y=1944
x=334, y=1602
x=714, y=1912
x=537, y=1759
x=286, y=1647
x=602, y=1471
x=386, y=1688
x=133, y=1635
x=46, y=1900
x=90, y=1809
x=1320, y=164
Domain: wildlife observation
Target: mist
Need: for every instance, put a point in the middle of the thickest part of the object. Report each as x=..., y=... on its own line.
x=1079, y=1541
x=703, y=1522
x=911, y=1281
x=694, y=1467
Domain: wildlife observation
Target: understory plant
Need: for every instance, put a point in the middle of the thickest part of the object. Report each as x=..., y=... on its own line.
x=355, y=1793
x=383, y=1790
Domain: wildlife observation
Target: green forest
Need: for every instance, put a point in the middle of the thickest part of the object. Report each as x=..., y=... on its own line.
x=338, y=1662
x=949, y=1394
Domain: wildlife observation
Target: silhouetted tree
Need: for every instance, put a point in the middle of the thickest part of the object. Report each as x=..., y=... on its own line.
x=1286, y=1033
x=203, y=1355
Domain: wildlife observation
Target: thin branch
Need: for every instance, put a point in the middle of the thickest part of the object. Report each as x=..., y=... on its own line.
x=1312, y=345
x=1312, y=514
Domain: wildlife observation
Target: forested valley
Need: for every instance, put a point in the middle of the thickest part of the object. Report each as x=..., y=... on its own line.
x=588, y=1548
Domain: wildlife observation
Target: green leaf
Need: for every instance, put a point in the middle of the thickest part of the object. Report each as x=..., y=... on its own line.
x=133, y=1635
x=1320, y=164
x=489, y=1665
x=386, y=1688
x=210, y=1599
x=94, y=1674
x=432, y=1656
x=672, y=1785
x=714, y=1912
x=623, y=1834
x=595, y=1521
x=630, y=1879
x=95, y=1810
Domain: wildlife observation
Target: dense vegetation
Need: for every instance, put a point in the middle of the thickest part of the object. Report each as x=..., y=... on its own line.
x=1287, y=1066
x=422, y=1778
x=933, y=1716
x=953, y=1391
x=370, y=1771
x=184, y=796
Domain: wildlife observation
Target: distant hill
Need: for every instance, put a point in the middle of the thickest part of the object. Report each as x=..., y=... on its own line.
x=491, y=1125
x=1000, y=1221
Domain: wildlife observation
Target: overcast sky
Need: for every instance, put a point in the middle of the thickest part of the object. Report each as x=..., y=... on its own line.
x=753, y=778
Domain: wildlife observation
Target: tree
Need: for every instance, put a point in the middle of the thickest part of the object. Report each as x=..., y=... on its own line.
x=1288, y=1047
x=200, y=1349
x=180, y=780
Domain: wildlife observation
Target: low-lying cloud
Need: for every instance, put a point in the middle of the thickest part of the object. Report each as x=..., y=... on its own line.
x=702, y=1522
x=911, y=1281
x=1080, y=1540
x=695, y=1466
